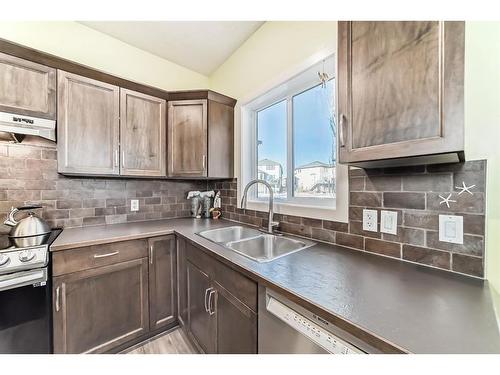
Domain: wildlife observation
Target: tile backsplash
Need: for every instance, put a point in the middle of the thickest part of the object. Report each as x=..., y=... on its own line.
x=411, y=191
x=28, y=174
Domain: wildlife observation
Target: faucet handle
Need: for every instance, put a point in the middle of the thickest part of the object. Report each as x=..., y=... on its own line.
x=275, y=223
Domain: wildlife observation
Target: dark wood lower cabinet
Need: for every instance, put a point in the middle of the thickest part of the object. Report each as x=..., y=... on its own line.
x=200, y=323
x=236, y=324
x=98, y=309
x=162, y=281
x=218, y=321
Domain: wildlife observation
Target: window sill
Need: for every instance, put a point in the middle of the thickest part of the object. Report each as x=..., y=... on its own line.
x=309, y=211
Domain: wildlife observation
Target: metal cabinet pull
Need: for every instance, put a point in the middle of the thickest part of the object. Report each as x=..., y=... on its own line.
x=151, y=250
x=341, y=129
x=116, y=158
x=212, y=292
x=204, y=162
x=106, y=255
x=123, y=159
x=206, y=292
x=58, y=294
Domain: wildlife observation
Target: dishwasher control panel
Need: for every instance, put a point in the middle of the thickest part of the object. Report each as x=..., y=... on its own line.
x=311, y=330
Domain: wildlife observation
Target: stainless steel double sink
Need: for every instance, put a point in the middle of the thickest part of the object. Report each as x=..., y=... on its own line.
x=254, y=244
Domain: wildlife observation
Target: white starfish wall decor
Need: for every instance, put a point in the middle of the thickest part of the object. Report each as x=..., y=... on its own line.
x=464, y=188
x=446, y=200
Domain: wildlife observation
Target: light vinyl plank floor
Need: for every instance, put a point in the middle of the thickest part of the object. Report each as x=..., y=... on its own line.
x=174, y=342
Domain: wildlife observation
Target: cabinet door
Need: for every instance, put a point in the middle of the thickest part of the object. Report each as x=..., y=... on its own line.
x=201, y=325
x=142, y=134
x=182, y=283
x=87, y=125
x=187, y=138
x=98, y=309
x=162, y=281
x=220, y=140
x=236, y=324
x=400, y=89
x=27, y=88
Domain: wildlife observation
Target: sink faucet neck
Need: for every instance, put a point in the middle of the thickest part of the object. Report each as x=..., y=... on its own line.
x=271, y=223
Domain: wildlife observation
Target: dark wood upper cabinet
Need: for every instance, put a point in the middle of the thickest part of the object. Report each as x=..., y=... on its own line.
x=162, y=281
x=97, y=309
x=142, y=134
x=187, y=138
x=88, y=125
x=400, y=92
x=200, y=137
x=27, y=88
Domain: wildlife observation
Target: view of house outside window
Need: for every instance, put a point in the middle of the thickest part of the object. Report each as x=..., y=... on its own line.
x=312, y=155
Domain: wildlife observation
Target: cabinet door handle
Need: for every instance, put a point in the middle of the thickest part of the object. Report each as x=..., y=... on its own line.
x=116, y=158
x=123, y=159
x=206, y=293
x=341, y=129
x=204, y=162
x=58, y=295
x=151, y=251
x=212, y=292
x=106, y=255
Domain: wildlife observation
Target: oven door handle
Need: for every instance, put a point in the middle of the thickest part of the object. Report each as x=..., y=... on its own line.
x=19, y=279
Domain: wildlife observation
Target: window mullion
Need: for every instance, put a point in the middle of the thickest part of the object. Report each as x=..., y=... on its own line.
x=289, y=149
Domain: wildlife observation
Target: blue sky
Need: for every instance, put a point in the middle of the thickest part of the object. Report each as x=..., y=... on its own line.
x=313, y=138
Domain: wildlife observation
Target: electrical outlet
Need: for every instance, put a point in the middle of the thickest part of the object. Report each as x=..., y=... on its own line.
x=451, y=229
x=134, y=205
x=389, y=222
x=370, y=220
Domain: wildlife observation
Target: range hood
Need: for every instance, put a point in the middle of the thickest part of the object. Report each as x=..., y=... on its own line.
x=20, y=125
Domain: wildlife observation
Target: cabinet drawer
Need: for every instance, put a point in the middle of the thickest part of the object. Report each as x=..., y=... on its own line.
x=84, y=258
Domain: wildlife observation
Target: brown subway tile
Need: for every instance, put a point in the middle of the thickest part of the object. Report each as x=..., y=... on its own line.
x=356, y=184
x=316, y=223
x=470, y=178
x=153, y=200
x=24, y=152
x=421, y=219
x=383, y=183
x=297, y=229
x=474, y=224
x=69, y=204
x=391, y=249
x=365, y=199
x=465, y=203
x=410, y=236
x=355, y=213
x=428, y=182
x=473, y=245
x=336, y=226
x=94, y=220
x=49, y=154
x=411, y=169
x=349, y=240
x=435, y=258
x=102, y=211
x=468, y=265
x=405, y=200
x=89, y=203
x=81, y=212
x=113, y=202
x=323, y=235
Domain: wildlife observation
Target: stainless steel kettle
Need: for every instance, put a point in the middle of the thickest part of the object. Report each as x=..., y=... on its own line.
x=29, y=231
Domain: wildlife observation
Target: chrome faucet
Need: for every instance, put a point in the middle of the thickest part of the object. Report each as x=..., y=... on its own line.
x=271, y=223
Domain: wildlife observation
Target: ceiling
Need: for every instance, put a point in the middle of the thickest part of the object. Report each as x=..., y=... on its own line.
x=201, y=46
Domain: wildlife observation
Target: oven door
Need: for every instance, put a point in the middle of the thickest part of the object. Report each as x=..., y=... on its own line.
x=25, y=313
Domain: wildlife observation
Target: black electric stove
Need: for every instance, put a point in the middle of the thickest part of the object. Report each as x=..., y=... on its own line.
x=25, y=299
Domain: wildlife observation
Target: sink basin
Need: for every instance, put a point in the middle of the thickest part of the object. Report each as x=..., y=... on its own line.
x=267, y=247
x=228, y=234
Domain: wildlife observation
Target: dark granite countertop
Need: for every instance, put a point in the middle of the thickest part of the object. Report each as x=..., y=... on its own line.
x=408, y=307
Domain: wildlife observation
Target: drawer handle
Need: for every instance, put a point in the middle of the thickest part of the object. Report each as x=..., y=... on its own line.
x=206, y=292
x=58, y=294
x=212, y=292
x=106, y=255
x=341, y=129
x=151, y=254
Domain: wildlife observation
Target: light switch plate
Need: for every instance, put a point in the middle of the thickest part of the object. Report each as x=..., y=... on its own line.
x=451, y=229
x=134, y=205
x=370, y=220
x=389, y=222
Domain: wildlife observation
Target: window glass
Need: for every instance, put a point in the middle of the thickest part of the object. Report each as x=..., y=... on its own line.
x=271, y=149
x=314, y=149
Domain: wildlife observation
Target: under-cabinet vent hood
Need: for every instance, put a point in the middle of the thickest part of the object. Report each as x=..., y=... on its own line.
x=20, y=125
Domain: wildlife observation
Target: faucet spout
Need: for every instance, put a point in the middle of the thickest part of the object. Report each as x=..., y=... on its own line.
x=271, y=223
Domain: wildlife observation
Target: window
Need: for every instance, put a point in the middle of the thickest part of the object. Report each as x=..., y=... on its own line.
x=294, y=144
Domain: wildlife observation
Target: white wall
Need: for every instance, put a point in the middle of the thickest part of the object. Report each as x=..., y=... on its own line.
x=81, y=44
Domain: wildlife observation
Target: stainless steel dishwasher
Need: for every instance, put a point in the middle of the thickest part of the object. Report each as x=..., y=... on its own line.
x=287, y=328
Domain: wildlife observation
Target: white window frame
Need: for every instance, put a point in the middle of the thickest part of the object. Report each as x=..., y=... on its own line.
x=294, y=84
